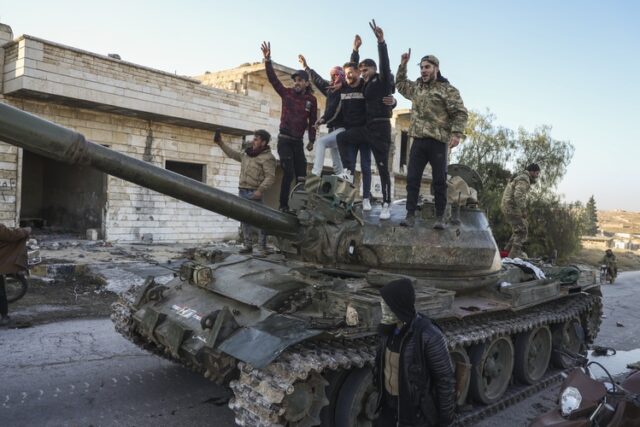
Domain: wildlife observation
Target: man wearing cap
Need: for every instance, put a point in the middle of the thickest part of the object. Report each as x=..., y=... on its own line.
x=299, y=113
x=438, y=119
x=378, y=84
x=412, y=371
x=514, y=209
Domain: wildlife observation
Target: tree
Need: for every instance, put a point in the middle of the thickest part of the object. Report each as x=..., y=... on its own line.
x=590, y=217
x=498, y=154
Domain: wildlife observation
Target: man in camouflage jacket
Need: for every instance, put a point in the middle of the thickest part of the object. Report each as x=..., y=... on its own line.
x=438, y=119
x=513, y=207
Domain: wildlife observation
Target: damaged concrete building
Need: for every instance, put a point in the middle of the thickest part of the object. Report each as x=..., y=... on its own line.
x=162, y=118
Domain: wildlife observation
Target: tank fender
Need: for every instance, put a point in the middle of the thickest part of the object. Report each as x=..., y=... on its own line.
x=263, y=342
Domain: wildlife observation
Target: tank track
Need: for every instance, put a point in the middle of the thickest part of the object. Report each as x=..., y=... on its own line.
x=259, y=399
x=477, y=329
x=260, y=394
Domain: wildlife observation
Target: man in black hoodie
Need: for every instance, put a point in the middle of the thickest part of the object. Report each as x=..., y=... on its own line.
x=378, y=83
x=413, y=371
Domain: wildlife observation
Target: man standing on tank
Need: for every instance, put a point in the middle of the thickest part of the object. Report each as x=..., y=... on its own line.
x=412, y=372
x=514, y=208
x=299, y=114
x=378, y=84
x=438, y=119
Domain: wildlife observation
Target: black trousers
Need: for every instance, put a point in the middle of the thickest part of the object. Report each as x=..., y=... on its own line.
x=4, y=305
x=293, y=163
x=377, y=134
x=423, y=151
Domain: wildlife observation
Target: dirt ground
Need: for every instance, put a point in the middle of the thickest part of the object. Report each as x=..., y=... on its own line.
x=67, y=296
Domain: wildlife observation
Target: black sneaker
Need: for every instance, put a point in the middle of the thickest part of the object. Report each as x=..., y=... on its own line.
x=408, y=221
x=439, y=224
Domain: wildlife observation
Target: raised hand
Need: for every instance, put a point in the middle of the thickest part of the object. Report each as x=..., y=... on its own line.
x=377, y=31
x=266, y=50
x=405, y=57
x=302, y=61
x=357, y=42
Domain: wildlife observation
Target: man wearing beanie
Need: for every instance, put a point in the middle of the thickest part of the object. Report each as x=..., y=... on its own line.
x=257, y=174
x=299, y=114
x=513, y=207
x=413, y=371
x=438, y=119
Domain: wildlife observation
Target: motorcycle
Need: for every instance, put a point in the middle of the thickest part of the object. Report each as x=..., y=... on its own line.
x=587, y=402
x=16, y=285
x=606, y=275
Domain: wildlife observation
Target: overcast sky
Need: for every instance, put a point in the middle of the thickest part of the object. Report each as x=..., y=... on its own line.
x=573, y=65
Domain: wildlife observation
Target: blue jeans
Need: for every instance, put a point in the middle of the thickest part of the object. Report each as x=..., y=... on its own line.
x=249, y=230
x=365, y=165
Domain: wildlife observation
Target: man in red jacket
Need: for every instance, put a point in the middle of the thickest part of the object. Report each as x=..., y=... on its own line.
x=13, y=259
x=299, y=114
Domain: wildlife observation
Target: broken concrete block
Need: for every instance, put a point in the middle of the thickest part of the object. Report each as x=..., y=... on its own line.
x=147, y=238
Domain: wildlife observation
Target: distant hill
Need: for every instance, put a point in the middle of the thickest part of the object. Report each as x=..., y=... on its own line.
x=619, y=221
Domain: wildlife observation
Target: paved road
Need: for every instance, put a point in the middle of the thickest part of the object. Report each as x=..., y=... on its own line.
x=82, y=373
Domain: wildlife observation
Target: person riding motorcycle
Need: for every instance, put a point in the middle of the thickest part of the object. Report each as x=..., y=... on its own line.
x=609, y=260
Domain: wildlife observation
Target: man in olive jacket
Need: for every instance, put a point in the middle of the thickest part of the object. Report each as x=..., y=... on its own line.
x=438, y=119
x=257, y=174
x=413, y=371
x=13, y=259
x=514, y=208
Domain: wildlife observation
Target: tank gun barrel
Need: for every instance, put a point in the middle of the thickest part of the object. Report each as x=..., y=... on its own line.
x=58, y=143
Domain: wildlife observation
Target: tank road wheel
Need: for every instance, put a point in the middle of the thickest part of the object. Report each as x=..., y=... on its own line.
x=462, y=369
x=302, y=407
x=567, y=336
x=356, y=404
x=533, y=352
x=492, y=365
x=335, y=379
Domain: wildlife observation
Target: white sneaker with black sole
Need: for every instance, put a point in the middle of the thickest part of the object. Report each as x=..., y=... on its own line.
x=385, y=213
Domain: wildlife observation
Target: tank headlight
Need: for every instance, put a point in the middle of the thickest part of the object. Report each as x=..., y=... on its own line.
x=570, y=400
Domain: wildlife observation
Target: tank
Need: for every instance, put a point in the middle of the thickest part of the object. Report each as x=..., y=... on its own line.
x=293, y=334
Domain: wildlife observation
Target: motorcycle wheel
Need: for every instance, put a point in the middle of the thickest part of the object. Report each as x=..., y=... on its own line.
x=16, y=286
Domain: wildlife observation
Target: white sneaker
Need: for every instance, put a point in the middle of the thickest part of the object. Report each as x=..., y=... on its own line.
x=366, y=205
x=346, y=176
x=385, y=213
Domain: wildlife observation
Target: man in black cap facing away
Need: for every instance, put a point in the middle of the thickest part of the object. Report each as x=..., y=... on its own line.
x=413, y=371
x=299, y=113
